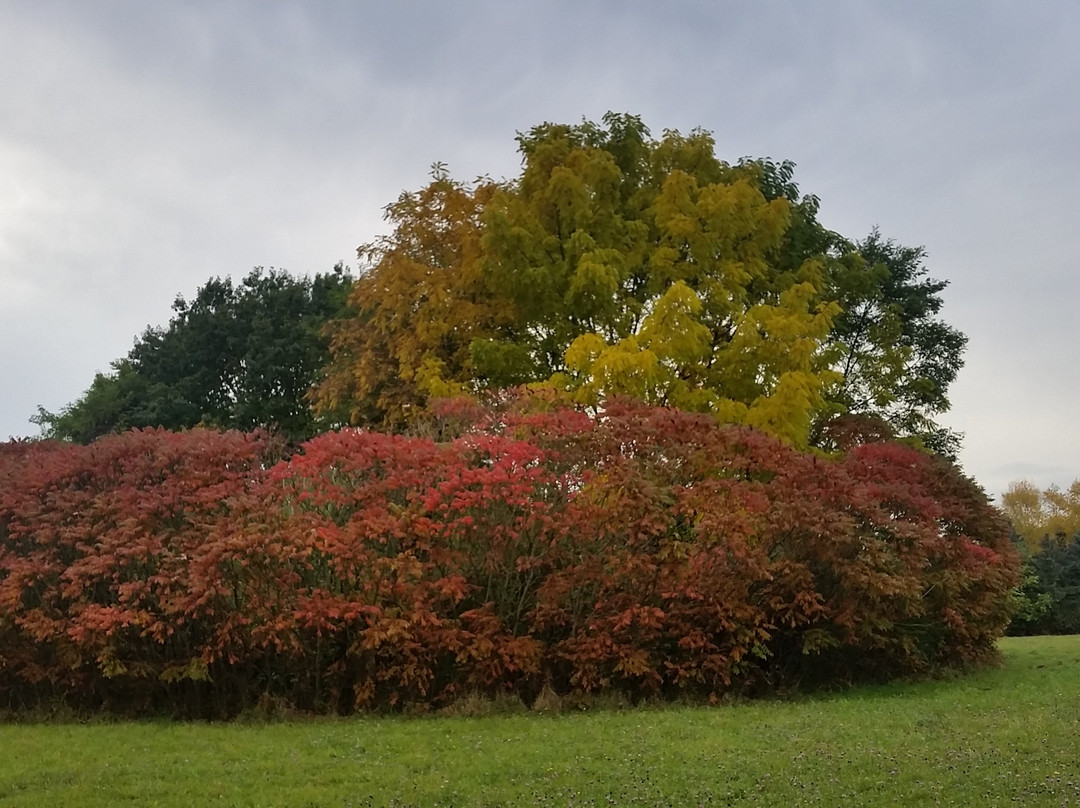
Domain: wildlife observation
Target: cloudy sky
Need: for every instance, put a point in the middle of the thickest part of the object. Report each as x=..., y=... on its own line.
x=146, y=147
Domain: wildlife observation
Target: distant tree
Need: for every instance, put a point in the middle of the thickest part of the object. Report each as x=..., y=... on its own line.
x=1049, y=597
x=1046, y=527
x=1037, y=514
x=236, y=356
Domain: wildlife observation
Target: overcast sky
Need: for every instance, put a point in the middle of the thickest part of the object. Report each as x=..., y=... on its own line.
x=146, y=147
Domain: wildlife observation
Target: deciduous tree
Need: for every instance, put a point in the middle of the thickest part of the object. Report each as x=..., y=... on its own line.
x=1037, y=514
x=617, y=263
x=416, y=309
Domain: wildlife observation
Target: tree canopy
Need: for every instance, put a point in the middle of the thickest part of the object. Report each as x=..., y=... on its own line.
x=1046, y=527
x=1038, y=514
x=236, y=356
x=897, y=358
x=617, y=263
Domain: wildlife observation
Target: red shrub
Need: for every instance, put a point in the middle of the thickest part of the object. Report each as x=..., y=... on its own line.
x=96, y=551
x=646, y=550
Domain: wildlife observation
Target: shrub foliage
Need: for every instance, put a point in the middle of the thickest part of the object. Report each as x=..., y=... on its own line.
x=647, y=551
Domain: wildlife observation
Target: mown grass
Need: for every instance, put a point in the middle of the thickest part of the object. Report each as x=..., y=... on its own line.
x=1008, y=736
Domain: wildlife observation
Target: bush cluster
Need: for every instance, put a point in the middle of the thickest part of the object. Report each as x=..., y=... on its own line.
x=645, y=551
x=1048, y=601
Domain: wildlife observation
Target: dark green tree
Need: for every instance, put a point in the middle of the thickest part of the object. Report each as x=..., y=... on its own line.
x=113, y=402
x=896, y=356
x=236, y=356
x=1049, y=597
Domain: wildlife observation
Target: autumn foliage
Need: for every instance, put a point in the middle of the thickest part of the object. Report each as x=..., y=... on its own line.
x=621, y=264
x=647, y=551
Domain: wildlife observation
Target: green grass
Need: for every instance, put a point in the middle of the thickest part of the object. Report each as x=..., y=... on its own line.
x=1009, y=736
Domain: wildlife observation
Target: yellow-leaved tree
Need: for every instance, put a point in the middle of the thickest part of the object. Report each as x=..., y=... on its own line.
x=1038, y=514
x=419, y=304
x=652, y=269
x=617, y=263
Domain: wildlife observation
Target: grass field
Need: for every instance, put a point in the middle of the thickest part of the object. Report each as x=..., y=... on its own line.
x=1009, y=736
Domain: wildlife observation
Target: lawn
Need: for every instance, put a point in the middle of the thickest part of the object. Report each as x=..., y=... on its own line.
x=1008, y=736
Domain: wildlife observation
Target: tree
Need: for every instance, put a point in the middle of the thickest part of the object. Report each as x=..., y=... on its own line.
x=1046, y=526
x=414, y=312
x=111, y=403
x=1049, y=597
x=896, y=357
x=236, y=356
x=618, y=263
x=1042, y=514
x=657, y=278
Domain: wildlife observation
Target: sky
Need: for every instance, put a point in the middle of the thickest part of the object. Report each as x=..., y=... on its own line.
x=147, y=147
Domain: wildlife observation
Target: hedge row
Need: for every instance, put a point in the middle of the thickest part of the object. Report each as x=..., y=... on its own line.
x=647, y=551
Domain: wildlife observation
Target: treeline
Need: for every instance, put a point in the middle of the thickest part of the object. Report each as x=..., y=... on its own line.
x=647, y=551
x=1046, y=527
x=616, y=263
